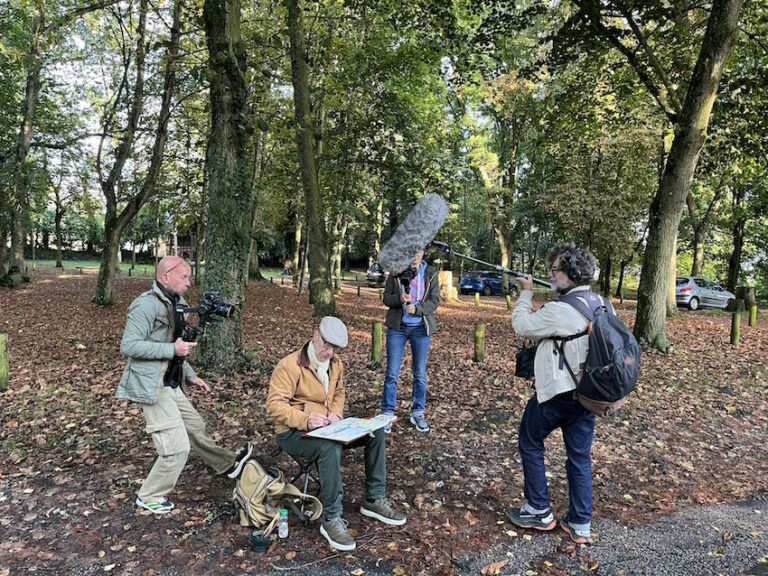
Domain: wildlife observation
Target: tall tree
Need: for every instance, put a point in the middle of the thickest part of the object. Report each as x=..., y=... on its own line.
x=685, y=98
x=229, y=186
x=116, y=220
x=320, y=289
x=43, y=33
x=668, y=204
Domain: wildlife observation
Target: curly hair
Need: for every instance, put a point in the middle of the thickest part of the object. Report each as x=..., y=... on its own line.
x=577, y=263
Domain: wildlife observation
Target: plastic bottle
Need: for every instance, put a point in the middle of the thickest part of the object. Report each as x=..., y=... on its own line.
x=282, y=524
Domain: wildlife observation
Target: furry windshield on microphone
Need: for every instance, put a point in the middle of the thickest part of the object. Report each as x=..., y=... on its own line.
x=414, y=233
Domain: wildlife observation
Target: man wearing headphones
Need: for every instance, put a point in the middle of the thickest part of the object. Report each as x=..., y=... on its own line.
x=554, y=405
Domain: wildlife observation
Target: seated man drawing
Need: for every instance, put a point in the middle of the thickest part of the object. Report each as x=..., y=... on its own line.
x=306, y=391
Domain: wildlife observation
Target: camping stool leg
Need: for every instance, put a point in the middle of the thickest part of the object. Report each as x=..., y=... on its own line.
x=306, y=484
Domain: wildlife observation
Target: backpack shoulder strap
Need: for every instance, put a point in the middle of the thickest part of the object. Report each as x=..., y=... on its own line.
x=594, y=303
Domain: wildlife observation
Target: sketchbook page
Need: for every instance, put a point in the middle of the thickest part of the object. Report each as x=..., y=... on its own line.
x=351, y=429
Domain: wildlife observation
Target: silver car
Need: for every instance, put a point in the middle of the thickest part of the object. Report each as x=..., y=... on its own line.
x=695, y=292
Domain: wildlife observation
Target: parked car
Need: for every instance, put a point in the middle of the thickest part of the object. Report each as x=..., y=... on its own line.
x=694, y=292
x=487, y=283
x=375, y=275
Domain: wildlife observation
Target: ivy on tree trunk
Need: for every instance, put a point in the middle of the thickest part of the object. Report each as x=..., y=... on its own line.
x=228, y=228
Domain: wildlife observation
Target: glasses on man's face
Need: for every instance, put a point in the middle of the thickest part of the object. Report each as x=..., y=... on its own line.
x=327, y=345
x=553, y=269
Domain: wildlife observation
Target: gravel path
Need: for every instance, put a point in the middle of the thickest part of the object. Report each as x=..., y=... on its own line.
x=728, y=539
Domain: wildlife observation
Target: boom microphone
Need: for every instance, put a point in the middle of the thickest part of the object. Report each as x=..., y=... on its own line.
x=414, y=233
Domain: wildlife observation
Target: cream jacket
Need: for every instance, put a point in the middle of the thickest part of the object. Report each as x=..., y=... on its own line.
x=552, y=319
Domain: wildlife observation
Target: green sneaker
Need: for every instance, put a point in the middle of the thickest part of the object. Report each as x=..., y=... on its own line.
x=159, y=506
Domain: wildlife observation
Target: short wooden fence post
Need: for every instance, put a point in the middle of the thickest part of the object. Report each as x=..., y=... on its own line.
x=376, y=344
x=479, y=355
x=4, y=362
x=509, y=302
x=752, y=315
x=736, y=322
x=477, y=299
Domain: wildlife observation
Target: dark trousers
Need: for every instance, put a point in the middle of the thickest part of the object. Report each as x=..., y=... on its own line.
x=328, y=454
x=578, y=427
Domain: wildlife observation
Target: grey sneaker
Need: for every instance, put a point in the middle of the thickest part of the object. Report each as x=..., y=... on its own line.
x=335, y=531
x=419, y=422
x=383, y=511
x=544, y=521
x=578, y=536
x=159, y=506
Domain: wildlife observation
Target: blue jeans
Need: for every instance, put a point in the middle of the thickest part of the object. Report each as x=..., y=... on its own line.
x=396, y=340
x=578, y=427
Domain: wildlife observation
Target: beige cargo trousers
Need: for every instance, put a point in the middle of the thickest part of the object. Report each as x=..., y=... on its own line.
x=176, y=427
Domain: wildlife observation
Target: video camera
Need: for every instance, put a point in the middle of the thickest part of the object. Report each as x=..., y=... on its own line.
x=405, y=278
x=211, y=306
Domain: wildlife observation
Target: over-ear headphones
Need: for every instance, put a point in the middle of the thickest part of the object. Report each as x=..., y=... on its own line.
x=574, y=274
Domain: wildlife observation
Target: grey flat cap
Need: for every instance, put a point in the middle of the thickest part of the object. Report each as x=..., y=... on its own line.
x=333, y=331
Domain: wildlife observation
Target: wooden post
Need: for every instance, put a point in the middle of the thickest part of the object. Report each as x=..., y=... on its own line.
x=4, y=362
x=753, y=316
x=479, y=343
x=282, y=280
x=376, y=344
x=477, y=299
x=271, y=280
x=381, y=294
x=129, y=272
x=736, y=323
x=358, y=289
x=509, y=302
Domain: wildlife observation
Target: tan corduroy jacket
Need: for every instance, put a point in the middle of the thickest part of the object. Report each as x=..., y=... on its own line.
x=295, y=391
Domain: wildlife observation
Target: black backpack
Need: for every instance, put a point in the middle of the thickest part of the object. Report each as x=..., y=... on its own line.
x=613, y=358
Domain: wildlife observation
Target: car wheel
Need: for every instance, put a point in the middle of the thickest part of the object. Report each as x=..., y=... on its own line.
x=730, y=304
x=693, y=303
x=487, y=291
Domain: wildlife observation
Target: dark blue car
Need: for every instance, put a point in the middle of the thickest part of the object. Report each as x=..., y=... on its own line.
x=487, y=283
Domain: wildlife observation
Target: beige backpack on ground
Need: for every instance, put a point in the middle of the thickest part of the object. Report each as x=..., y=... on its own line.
x=258, y=495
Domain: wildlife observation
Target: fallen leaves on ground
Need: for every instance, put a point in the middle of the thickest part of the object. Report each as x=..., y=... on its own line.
x=693, y=432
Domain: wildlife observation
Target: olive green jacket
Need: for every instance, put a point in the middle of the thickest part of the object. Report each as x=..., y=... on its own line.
x=148, y=345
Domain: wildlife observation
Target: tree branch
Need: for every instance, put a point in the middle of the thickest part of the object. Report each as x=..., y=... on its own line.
x=652, y=58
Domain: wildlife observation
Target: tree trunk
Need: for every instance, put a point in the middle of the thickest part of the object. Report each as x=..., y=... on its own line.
x=701, y=226
x=339, y=233
x=734, y=262
x=253, y=263
x=667, y=206
x=230, y=193
x=296, y=260
x=3, y=240
x=20, y=200
x=57, y=222
x=377, y=228
x=320, y=289
x=110, y=260
x=620, y=284
x=671, y=278
x=105, y=285
x=606, y=270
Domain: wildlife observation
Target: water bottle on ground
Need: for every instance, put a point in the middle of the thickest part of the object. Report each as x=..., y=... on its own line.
x=282, y=524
